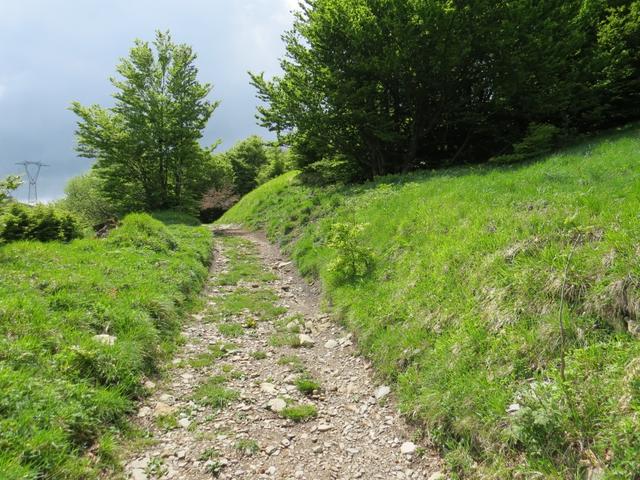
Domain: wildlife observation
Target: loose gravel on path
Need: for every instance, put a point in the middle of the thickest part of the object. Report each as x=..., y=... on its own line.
x=267, y=387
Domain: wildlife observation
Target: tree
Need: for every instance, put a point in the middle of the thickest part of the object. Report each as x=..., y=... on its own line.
x=147, y=147
x=84, y=197
x=8, y=185
x=246, y=158
x=395, y=85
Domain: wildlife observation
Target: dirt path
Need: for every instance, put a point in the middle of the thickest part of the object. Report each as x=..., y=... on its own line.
x=266, y=386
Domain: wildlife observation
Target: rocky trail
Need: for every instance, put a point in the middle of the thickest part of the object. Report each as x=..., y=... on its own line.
x=267, y=387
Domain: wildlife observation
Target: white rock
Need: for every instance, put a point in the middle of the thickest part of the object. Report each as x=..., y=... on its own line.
x=269, y=388
x=438, y=476
x=271, y=470
x=105, y=339
x=162, y=408
x=331, y=344
x=408, y=448
x=149, y=384
x=144, y=411
x=306, y=340
x=138, y=474
x=323, y=427
x=513, y=408
x=382, y=391
x=184, y=423
x=277, y=405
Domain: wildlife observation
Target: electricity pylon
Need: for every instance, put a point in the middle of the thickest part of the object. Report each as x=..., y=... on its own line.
x=32, y=169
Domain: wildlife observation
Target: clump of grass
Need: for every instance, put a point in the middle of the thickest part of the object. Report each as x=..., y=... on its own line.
x=167, y=422
x=300, y=413
x=285, y=340
x=247, y=446
x=204, y=359
x=231, y=330
x=293, y=361
x=307, y=386
x=260, y=303
x=215, y=396
x=259, y=355
x=135, y=287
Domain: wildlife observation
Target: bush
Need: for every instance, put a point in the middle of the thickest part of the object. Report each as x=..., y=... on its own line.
x=44, y=223
x=540, y=139
x=85, y=199
x=353, y=260
x=140, y=230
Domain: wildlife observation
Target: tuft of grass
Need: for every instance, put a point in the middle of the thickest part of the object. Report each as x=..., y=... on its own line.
x=285, y=340
x=134, y=286
x=231, y=330
x=213, y=395
x=293, y=361
x=247, y=446
x=259, y=355
x=206, y=359
x=260, y=303
x=167, y=422
x=300, y=413
x=307, y=386
x=460, y=308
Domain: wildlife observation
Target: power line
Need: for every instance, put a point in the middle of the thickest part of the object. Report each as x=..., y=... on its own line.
x=32, y=169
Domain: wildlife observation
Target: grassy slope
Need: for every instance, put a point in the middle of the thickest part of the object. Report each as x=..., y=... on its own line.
x=461, y=309
x=61, y=389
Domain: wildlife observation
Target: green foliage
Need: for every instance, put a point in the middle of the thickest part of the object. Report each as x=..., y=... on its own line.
x=8, y=185
x=352, y=259
x=300, y=413
x=140, y=230
x=61, y=387
x=307, y=385
x=461, y=311
x=84, y=197
x=247, y=446
x=146, y=147
x=539, y=140
x=42, y=223
x=247, y=158
x=213, y=395
x=394, y=85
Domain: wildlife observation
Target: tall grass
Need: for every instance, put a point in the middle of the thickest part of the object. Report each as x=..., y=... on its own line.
x=61, y=388
x=460, y=309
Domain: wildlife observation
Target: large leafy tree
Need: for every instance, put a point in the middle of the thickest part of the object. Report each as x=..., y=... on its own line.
x=394, y=85
x=146, y=146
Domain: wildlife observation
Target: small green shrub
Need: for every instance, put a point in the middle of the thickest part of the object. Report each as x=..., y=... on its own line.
x=42, y=223
x=307, y=385
x=213, y=395
x=353, y=260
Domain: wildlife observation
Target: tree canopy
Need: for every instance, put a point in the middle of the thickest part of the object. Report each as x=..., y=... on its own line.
x=395, y=85
x=147, y=147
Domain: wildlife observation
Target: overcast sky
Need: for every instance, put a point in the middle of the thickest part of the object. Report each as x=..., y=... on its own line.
x=53, y=52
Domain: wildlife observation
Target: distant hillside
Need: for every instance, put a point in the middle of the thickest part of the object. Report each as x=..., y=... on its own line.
x=461, y=305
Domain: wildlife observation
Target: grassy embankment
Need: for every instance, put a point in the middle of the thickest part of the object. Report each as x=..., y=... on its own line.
x=461, y=308
x=65, y=392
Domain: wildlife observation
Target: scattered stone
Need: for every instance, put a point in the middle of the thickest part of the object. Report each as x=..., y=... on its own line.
x=137, y=474
x=305, y=340
x=513, y=408
x=144, y=412
x=382, y=391
x=184, y=422
x=269, y=388
x=162, y=408
x=277, y=405
x=270, y=450
x=149, y=385
x=323, y=427
x=438, y=476
x=408, y=448
x=105, y=339
x=331, y=344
